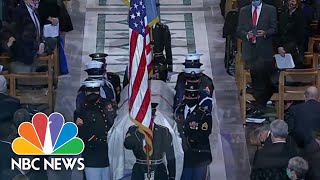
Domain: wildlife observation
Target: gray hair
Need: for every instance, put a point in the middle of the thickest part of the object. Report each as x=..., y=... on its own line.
x=3, y=84
x=279, y=128
x=299, y=166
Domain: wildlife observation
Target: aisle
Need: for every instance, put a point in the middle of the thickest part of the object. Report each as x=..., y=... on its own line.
x=195, y=25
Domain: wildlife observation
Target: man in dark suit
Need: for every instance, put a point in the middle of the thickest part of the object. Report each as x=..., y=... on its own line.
x=28, y=35
x=256, y=27
x=270, y=162
x=303, y=119
x=8, y=105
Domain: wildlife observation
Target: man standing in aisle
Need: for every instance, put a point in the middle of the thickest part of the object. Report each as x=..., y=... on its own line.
x=257, y=25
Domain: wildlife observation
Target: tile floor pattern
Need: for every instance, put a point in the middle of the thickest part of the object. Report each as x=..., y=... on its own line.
x=196, y=26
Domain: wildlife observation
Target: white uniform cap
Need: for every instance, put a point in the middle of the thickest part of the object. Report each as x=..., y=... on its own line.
x=193, y=70
x=94, y=64
x=192, y=57
x=93, y=84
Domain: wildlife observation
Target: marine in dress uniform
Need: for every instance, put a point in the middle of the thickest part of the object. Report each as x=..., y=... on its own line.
x=194, y=125
x=161, y=41
x=162, y=145
x=94, y=119
x=96, y=72
x=113, y=78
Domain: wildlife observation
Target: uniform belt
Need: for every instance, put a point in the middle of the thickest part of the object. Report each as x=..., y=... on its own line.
x=158, y=54
x=200, y=151
x=152, y=162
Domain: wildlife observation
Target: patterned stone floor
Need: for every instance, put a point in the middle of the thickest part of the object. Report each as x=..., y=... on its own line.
x=196, y=26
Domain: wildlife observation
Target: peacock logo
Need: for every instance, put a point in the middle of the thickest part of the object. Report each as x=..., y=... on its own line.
x=48, y=136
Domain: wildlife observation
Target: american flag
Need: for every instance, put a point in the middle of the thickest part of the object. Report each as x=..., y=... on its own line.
x=139, y=68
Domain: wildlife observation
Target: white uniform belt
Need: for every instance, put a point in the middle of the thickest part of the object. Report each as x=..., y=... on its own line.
x=152, y=162
x=158, y=54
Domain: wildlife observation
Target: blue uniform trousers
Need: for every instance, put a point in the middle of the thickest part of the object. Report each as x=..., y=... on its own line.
x=196, y=173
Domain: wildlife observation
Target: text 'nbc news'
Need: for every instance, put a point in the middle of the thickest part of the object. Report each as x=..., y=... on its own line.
x=55, y=164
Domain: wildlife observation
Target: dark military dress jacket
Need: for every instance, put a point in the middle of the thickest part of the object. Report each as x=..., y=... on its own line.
x=162, y=41
x=94, y=121
x=162, y=144
x=206, y=88
x=114, y=79
x=194, y=132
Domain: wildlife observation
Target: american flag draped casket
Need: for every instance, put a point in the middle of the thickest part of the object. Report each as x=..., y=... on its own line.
x=121, y=159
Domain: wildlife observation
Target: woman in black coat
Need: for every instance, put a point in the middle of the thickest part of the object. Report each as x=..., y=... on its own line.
x=292, y=32
x=65, y=20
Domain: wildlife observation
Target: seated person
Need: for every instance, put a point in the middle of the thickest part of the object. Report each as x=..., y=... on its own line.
x=297, y=168
x=270, y=162
x=303, y=119
x=8, y=105
x=28, y=34
x=313, y=159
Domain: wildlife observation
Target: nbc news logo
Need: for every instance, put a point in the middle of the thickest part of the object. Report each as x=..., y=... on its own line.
x=47, y=136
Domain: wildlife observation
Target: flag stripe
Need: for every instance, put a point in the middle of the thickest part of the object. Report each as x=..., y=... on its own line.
x=139, y=64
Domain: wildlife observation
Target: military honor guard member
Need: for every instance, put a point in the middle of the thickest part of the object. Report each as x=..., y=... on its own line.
x=113, y=78
x=193, y=75
x=162, y=146
x=161, y=41
x=194, y=125
x=96, y=72
x=94, y=119
x=192, y=72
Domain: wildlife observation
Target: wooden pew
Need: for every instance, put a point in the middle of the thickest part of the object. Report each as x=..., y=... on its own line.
x=296, y=93
x=36, y=96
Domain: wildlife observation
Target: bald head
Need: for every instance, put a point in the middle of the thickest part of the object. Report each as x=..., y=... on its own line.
x=312, y=93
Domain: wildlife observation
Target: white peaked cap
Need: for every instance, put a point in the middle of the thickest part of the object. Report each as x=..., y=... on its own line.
x=193, y=56
x=193, y=70
x=93, y=84
x=94, y=64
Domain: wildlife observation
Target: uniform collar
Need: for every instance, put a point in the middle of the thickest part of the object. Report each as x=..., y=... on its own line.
x=191, y=108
